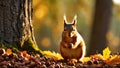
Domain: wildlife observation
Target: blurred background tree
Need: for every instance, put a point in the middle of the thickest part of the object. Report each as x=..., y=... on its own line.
x=48, y=22
x=100, y=26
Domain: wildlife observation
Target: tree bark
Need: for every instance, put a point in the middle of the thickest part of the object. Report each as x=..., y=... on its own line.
x=16, y=23
x=103, y=12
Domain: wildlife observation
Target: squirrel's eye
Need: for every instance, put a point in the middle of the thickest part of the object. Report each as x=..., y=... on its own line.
x=64, y=29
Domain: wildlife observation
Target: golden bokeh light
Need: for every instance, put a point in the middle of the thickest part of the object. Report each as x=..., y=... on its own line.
x=109, y=35
x=115, y=41
x=36, y=2
x=41, y=11
x=112, y=39
x=45, y=42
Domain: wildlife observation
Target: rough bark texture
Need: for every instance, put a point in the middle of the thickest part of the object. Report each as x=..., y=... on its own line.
x=103, y=12
x=16, y=22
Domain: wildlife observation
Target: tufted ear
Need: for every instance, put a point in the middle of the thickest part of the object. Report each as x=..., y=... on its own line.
x=74, y=20
x=65, y=21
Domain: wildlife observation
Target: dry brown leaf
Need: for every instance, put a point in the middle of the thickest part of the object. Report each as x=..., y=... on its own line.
x=24, y=53
x=8, y=51
x=96, y=56
x=113, y=60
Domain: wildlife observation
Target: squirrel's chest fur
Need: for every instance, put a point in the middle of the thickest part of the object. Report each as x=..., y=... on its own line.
x=68, y=53
x=78, y=49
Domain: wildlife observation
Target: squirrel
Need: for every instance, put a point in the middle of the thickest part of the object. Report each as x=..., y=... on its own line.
x=72, y=45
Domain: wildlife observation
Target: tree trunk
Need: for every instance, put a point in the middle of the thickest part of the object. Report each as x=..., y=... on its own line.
x=103, y=12
x=16, y=24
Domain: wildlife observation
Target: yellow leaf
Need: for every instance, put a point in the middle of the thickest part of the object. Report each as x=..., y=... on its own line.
x=106, y=53
x=53, y=55
x=86, y=59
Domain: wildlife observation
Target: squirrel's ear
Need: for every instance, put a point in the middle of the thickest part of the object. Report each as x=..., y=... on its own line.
x=75, y=20
x=65, y=21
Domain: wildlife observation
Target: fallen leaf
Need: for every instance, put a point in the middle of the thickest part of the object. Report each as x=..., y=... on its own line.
x=96, y=56
x=53, y=55
x=106, y=53
x=28, y=57
x=24, y=53
x=86, y=59
x=8, y=51
x=113, y=60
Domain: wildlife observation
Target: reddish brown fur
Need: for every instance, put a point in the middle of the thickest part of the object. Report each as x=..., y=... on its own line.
x=72, y=45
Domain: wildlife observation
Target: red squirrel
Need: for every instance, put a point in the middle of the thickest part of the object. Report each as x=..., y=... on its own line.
x=72, y=45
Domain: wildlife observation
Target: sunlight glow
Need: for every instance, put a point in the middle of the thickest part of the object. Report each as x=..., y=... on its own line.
x=41, y=11
x=116, y=2
x=45, y=42
x=36, y=2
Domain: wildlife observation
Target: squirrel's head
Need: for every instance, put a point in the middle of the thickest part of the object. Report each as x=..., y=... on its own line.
x=70, y=28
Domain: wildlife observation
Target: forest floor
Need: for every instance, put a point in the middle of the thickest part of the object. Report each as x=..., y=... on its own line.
x=8, y=59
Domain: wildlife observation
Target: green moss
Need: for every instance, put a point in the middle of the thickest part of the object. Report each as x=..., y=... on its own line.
x=13, y=47
x=28, y=45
